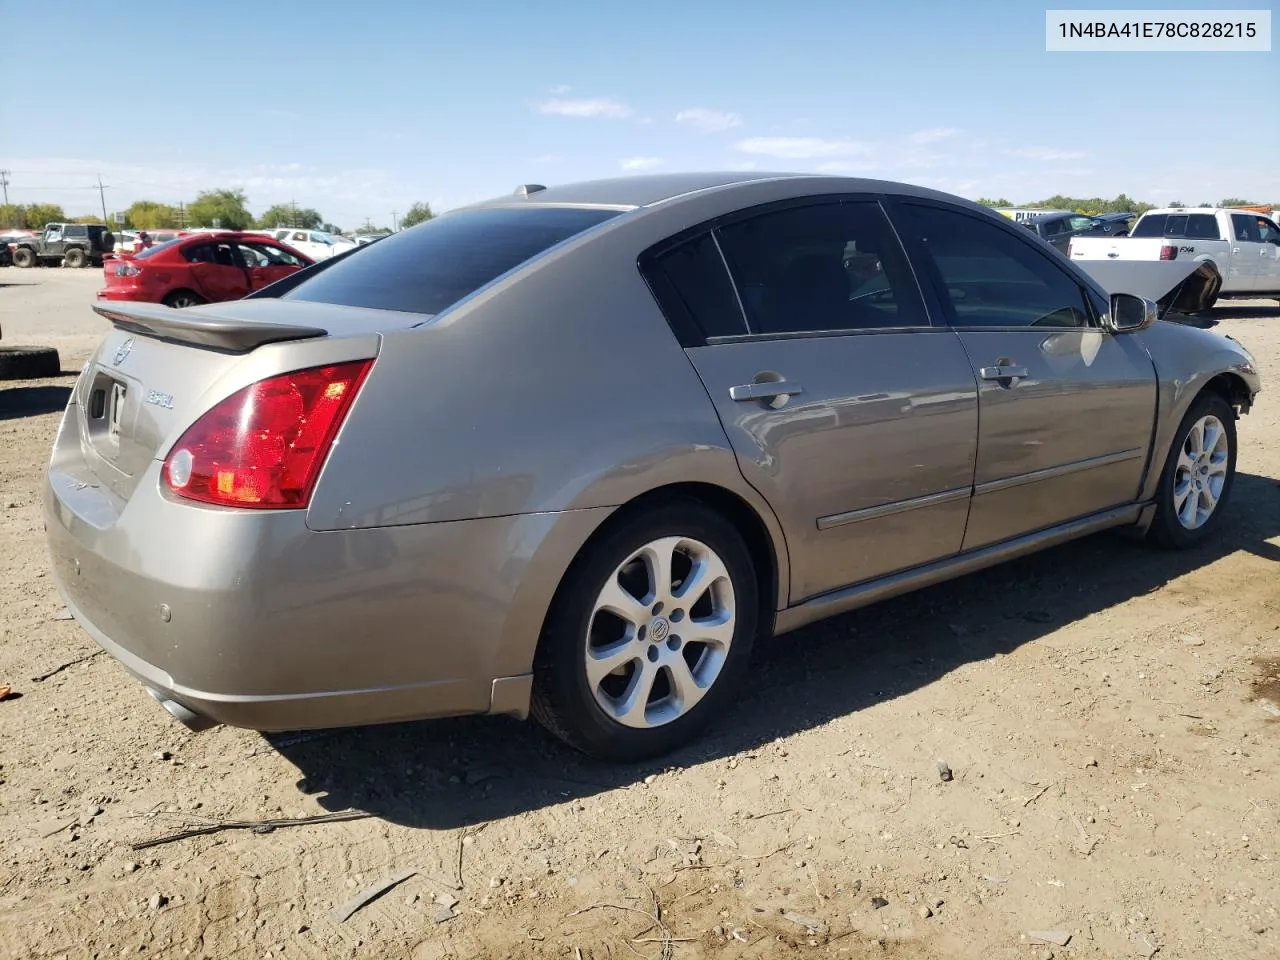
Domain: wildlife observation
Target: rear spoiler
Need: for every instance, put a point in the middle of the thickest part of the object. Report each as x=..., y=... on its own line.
x=200, y=329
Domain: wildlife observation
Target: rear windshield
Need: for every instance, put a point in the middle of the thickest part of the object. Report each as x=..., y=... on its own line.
x=432, y=266
x=1178, y=226
x=153, y=250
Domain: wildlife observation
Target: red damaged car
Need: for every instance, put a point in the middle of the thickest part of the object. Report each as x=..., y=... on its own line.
x=201, y=268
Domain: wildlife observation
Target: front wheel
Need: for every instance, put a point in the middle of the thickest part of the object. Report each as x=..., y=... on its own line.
x=649, y=635
x=24, y=257
x=1198, y=475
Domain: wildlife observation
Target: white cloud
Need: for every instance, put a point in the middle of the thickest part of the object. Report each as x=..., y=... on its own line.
x=933, y=135
x=633, y=164
x=560, y=90
x=1047, y=153
x=593, y=107
x=712, y=121
x=801, y=148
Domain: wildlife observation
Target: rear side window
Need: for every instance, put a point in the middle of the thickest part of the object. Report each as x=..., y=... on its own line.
x=1178, y=226
x=826, y=267
x=432, y=266
x=76, y=230
x=693, y=288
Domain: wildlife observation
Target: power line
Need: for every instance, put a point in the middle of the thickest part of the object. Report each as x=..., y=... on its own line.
x=103, y=197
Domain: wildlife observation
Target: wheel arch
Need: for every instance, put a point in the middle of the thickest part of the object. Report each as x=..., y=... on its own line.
x=168, y=297
x=522, y=633
x=1227, y=384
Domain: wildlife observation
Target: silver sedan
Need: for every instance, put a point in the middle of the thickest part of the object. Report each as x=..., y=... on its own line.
x=571, y=450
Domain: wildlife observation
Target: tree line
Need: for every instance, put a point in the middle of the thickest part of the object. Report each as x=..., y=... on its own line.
x=227, y=209
x=1093, y=206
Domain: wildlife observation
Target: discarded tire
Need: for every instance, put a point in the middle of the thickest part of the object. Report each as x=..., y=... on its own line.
x=29, y=363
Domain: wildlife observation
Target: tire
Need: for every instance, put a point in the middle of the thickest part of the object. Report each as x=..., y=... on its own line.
x=589, y=713
x=1168, y=528
x=74, y=258
x=24, y=257
x=183, y=298
x=29, y=363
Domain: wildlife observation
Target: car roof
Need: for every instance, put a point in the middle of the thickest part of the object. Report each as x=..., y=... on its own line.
x=629, y=193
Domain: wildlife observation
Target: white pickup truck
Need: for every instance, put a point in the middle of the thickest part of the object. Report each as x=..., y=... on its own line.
x=1209, y=253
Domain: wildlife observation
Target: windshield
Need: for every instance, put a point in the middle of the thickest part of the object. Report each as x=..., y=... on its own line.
x=436, y=264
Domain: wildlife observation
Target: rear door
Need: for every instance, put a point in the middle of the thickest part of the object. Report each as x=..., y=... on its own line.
x=849, y=412
x=1066, y=410
x=217, y=271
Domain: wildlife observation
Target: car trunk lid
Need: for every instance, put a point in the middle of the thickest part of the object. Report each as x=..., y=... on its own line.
x=152, y=374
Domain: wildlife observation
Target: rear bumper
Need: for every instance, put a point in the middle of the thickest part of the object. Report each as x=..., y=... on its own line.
x=123, y=293
x=251, y=619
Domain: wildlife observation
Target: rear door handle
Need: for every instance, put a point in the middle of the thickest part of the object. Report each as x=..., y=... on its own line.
x=764, y=390
x=1003, y=373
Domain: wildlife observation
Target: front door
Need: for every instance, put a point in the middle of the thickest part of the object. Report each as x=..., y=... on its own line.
x=1066, y=410
x=850, y=414
x=1268, y=278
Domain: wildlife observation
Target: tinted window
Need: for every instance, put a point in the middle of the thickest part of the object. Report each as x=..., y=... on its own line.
x=991, y=277
x=830, y=266
x=1083, y=223
x=692, y=285
x=153, y=250
x=1246, y=228
x=77, y=230
x=264, y=254
x=1178, y=226
x=1267, y=231
x=435, y=264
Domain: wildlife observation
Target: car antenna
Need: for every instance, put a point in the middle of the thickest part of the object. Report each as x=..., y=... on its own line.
x=525, y=189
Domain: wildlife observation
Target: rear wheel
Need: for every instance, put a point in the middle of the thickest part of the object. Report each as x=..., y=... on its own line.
x=24, y=257
x=182, y=298
x=649, y=634
x=1198, y=475
x=74, y=258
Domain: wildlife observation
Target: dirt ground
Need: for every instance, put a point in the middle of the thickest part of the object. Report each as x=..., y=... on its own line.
x=1110, y=713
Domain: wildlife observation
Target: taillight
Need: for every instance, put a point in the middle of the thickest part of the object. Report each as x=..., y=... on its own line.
x=1169, y=252
x=127, y=270
x=264, y=445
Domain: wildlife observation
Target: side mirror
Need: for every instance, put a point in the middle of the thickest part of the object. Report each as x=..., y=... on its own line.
x=1129, y=313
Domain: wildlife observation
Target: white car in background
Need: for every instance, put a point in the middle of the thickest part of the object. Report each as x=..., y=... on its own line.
x=317, y=244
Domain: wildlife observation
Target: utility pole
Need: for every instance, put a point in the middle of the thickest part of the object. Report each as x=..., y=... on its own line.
x=395, y=223
x=103, y=197
x=4, y=182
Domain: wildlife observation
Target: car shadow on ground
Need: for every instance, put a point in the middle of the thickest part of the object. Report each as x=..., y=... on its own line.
x=16, y=402
x=453, y=773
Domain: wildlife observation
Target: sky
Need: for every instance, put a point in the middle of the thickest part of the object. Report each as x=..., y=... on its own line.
x=359, y=110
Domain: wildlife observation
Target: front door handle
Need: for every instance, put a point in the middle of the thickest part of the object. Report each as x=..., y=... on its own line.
x=1003, y=373
x=764, y=390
